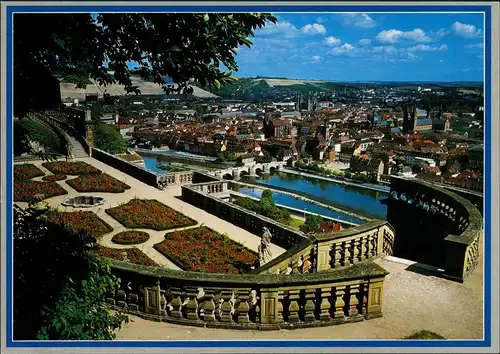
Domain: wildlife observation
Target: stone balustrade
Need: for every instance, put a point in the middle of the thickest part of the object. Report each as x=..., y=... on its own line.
x=463, y=219
x=251, y=301
x=327, y=251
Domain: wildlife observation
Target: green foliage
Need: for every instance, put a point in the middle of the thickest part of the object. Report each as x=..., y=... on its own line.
x=37, y=131
x=265, y=207
x=313, y=221
x=313, y=167
x=227, y=156
x=109, y=139
x=80, y=313
x=305, y=155
x=182, y=46
x=425, y=335
x=60, y=284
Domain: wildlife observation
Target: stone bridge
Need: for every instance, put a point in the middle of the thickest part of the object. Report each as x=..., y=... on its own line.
x=252, y=169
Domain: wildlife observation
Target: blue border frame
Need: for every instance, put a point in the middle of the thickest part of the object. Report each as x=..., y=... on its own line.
x=486, y=342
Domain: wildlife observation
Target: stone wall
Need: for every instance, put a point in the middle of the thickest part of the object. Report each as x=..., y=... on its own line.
x=204, y=197
x=444, y=223
x=257, y=302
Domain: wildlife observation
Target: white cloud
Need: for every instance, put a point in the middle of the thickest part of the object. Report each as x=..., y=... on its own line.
x=475, y=46
x=385, y=49
x=332, y=40
x=281, y=28
x=359, y=20
x=345, y=48
x=440, y=33
x=364, y=41
x=425, y=48
x=316, y=58
x=321, y=20
x=394, y=36
x=465, y=30
x=315, y=28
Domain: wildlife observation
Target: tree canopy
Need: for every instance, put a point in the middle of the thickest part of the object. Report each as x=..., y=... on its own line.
x=59, y=283
x=111, y=47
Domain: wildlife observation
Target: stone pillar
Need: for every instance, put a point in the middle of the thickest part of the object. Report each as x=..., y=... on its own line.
x=269, y=307
x=89, y=136
x=323, y=262
x=266, y=168
x=375, y=294
x=236, y=175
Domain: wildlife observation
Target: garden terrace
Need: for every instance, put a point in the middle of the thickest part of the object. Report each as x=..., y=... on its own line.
x=204, y=250
x=28, y=190
x=84, y=201
x=70, y=168
x=133, y=255
x=455, y=242
x=130, y=237
x=26, y=171
x=101, y=182
x=80, y=221
x=259, y=302
x=149, y=214
x=53, y=178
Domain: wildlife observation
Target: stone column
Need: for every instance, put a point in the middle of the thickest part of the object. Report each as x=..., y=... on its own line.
x=269, y=307
x=375, y=294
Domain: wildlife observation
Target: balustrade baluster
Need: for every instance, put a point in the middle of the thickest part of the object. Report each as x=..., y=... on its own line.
x=208, y=306
x=242, y=307
x=355, y=251
x=323, y=304
x=353, y=300
x=339, y=303
x=309, y=306
x=176, y=303
x=226, y=308
x=363, y=298
x=191, y=307
x=346, y=255
x=372, y=243
x=336, y=255
x=363, y=248
x=294, y=307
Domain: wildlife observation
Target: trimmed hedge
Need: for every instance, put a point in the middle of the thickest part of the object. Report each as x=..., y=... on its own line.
x=41, y=133
x=130, y=237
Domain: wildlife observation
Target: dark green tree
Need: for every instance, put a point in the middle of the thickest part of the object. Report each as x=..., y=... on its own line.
x=313, y=222
x=59, y=283
x=79, y=47
x=109, y=139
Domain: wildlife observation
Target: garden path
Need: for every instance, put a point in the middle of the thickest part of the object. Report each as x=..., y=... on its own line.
x=141, y=190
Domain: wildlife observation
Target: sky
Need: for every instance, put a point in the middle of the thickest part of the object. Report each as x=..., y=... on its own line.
x=368, y=47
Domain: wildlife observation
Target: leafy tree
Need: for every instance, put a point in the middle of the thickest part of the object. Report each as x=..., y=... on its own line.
x=313, y=221
x=79, y=47
x=267, y=194
x=59, y=283
x=108, y=138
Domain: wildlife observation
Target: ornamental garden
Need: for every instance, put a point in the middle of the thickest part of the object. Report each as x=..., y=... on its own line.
x=128, y=227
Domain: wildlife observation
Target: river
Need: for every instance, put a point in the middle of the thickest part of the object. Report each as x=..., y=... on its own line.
x=351, y=198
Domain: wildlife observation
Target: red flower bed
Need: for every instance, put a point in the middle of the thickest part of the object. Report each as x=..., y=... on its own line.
x=26, y=171
x=130, y=237
x=70, y=168
x=80, y=220
x=149, y=214
x=134, y=255
x=24, y=191
x=204, y=250
x=97, y=183
x=53, y=178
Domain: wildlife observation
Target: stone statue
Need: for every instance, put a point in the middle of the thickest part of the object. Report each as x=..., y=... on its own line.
x=264, y=248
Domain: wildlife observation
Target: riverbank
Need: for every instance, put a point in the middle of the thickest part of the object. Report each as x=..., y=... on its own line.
x=300, y=197
x=372, y=187
x=299, y=213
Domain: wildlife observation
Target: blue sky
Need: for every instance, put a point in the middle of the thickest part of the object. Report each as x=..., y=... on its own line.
x=368, y=47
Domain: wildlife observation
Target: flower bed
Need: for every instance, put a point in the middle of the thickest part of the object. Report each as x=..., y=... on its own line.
x=149, y=214
x=27, y=190
x=97, y=183
x=26, y=171
x=80, y=220
x=130, y=237
x=134, y=255
x=53, y=178
x=70, y=168
x=204, y=250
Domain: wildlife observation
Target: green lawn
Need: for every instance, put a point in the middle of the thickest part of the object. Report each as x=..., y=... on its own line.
x=296, y=223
